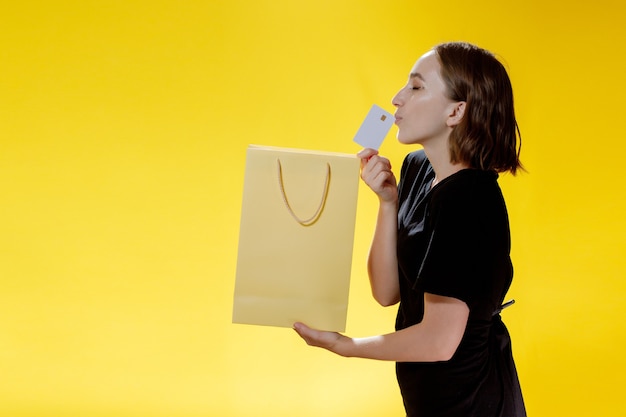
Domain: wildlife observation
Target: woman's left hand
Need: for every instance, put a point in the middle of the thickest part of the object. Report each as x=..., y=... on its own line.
x=331, y=341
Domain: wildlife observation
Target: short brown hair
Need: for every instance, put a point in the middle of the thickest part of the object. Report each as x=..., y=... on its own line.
x=487, y=136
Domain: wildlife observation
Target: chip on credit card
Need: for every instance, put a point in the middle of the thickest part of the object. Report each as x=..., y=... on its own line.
x=374, y=128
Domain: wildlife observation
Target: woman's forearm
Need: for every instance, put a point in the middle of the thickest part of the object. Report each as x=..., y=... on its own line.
x=434, y=339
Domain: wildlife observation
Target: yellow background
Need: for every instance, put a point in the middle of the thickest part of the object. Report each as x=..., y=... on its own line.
x=123, y=129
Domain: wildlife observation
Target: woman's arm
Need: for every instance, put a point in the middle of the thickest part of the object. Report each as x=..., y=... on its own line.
x=382, y=263
x=436, y=338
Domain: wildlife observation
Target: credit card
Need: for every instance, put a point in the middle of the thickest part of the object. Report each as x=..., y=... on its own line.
x=374, y=128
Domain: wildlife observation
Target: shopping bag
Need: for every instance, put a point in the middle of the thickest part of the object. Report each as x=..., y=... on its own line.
x=296, y=238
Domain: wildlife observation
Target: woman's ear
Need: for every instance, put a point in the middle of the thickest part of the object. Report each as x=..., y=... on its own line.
x=456, y=114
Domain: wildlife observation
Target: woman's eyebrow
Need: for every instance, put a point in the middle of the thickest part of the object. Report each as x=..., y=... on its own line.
x=417, y=75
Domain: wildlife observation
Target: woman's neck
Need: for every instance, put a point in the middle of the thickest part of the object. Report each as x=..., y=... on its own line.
x=440, y=161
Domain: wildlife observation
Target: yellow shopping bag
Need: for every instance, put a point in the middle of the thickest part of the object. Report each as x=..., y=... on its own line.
x=296, y=237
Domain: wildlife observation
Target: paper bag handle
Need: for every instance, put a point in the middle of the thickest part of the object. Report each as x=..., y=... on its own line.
x=315, y=217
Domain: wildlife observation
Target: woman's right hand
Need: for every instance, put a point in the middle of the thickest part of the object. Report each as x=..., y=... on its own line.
x=376, y=173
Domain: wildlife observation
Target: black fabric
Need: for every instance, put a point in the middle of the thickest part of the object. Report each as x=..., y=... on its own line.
x=454, y=241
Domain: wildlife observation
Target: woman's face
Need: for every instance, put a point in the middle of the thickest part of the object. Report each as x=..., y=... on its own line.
x=423, y=110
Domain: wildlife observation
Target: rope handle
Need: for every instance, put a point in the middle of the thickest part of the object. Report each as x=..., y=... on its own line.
x=315, y=217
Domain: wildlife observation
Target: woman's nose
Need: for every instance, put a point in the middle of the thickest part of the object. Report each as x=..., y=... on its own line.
x=397, y=99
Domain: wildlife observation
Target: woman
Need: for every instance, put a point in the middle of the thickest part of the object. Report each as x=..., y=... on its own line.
x=441, y=244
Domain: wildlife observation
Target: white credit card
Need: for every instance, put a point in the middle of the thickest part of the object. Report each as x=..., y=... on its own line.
x=374, y=128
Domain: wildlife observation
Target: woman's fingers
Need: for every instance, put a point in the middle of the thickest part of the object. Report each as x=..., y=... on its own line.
x=377, y=174
x=366, y=154
x=377, y=167
x=318, y=338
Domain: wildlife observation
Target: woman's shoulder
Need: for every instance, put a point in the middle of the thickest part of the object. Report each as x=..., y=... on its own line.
x=415, y=162
x=416, y=173
x=469, y=181
x=468, y=188
x=416, y=158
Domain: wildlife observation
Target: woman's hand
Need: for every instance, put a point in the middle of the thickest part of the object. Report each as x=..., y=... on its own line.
x=331, y=341
x=376, y=173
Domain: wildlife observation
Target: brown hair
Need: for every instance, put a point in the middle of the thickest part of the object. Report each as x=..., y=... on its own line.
x=487, y=136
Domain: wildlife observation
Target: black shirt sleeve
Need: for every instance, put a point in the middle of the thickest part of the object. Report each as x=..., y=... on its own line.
x=453, y=256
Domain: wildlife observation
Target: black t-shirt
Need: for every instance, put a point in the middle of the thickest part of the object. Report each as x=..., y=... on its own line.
x=454, y=241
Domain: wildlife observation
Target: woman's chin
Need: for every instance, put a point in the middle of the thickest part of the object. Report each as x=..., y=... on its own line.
x=406, y=140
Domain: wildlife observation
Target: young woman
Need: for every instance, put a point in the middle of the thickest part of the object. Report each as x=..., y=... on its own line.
x=441, y=244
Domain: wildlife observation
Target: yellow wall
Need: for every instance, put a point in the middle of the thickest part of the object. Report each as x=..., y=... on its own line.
x=123, y=128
